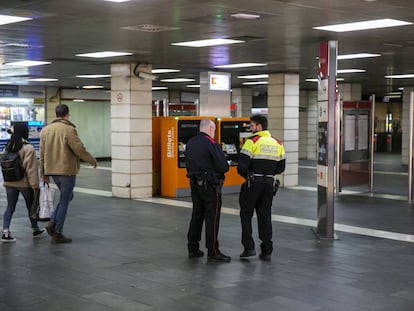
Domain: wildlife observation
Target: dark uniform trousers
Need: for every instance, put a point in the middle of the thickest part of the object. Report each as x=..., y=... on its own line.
x=206, y=206
x=258, y=196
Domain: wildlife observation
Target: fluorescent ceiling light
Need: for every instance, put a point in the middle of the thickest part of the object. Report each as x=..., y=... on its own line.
x=164, y=70
x=27, y=63
x=193, y=85
x=157, y=88
x=373, y=24
x=261, y=76
x=207, y=42
x=358, y=55
x=43, y=80
x=93, y=76
x=406, y=76
x=9, y=19
x=240, y=65
x=255, y=82
x=316, y=80
x=104, y=54
x=78, y=100
x=90, y=87
x=245, y=16
x=178, y=80
x=350, y=70
x=117, y=0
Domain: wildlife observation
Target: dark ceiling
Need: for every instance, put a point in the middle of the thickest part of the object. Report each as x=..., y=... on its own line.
x=283, y=38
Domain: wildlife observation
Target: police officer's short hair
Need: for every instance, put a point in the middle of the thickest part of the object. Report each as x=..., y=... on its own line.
x=61, y=110
x=259, y=119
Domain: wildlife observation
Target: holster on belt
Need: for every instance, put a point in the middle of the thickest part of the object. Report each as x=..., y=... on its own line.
x=276, y=184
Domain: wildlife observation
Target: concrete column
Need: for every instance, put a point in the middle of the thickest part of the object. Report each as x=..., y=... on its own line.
x=131, y=123
x=215, y=100
x=405, y=126
x=52, y=100
x=283, y=114
x=174, y=97
x=243, y=97
x=350, y=91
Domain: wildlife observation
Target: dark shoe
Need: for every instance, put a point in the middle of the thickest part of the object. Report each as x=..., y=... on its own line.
x=219, y=258
x=59, y=238
x=38, y=232
x=265, y=257
x=248, y=253
x=7, y=238
x=195, y=254
x=50, y=228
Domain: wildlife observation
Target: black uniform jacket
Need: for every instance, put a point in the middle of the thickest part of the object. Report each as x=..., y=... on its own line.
x=204, y=154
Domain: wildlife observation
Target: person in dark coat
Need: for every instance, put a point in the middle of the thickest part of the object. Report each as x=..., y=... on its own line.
x=206, y=164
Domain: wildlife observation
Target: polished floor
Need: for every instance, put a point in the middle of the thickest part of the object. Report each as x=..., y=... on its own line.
x=131, y=254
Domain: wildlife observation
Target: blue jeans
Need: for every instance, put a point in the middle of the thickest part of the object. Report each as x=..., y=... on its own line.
x=12, y=196
x=65, y=185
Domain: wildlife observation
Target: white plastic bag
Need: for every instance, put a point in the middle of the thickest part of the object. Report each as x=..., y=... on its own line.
x=46, y=202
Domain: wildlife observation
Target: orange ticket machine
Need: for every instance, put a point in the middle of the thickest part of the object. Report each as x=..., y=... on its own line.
x=175, y=133
x=231, y=134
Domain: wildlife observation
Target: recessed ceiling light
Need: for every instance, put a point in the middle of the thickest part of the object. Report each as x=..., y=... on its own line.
x=240, y=65
x=373, y=24
x=43, y=80
x=255, y=82
x=104, y=54
x=259, y=76
x=193, y=85
x=350, y=70
x=27, y=63
x=90, y=87
x=358, y=55
x=405, y=76
x=164, y=70
x=178, y=80
x=93, y=76
x=245, y=16
x=9, y=19
x=157, y=88
x=207, y=42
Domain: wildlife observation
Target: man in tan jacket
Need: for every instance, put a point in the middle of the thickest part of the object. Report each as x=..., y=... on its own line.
x=60, y=152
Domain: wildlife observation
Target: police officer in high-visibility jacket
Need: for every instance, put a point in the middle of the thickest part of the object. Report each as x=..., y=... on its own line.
x=260, y=158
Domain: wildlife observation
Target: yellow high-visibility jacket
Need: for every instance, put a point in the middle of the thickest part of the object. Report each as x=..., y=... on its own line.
x=261, y=154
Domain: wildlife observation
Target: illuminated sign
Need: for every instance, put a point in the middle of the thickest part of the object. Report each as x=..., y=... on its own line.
x=219, y=82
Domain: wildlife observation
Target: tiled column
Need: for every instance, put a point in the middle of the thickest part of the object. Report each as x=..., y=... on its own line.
x=405, y=126
x=243, y=97
x=350, y=91
x=308, y=120
x=283, y=114
x=131, y=122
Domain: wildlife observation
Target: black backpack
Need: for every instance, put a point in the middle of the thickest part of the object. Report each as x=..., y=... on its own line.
x=11, y=167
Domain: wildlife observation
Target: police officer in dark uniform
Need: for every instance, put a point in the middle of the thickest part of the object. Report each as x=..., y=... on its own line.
x=206, y=164
x=260, y=158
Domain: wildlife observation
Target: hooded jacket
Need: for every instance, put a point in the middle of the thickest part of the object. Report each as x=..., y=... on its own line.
x=61, y=149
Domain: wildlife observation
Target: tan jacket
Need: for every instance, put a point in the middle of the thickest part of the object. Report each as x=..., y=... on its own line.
x=29, y=162
x=61, y=149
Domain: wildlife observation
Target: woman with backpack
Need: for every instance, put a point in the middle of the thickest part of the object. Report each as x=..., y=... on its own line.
x=27, y=185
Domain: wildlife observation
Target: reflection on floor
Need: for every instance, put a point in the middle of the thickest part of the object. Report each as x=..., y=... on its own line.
x=131, y=255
